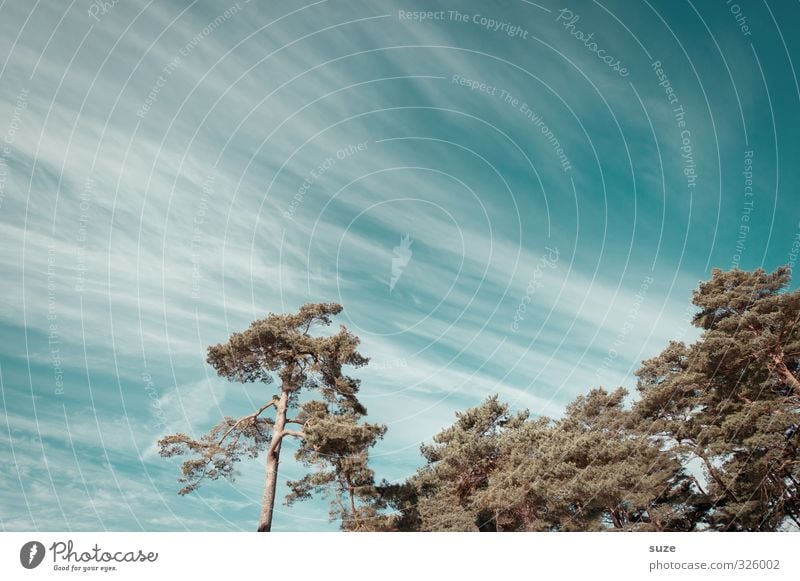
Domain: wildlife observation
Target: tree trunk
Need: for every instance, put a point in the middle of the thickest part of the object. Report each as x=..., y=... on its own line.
x=273, y=459
x=615, y=518
x=356, y=522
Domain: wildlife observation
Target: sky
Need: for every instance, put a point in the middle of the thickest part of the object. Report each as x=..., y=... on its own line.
x=511, y=197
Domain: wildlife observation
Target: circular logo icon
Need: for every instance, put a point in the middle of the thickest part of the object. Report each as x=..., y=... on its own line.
x=31, y=554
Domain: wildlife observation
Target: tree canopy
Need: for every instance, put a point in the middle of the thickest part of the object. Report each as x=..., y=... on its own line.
x=732, y=399
x=711, y=442
x=332, y=441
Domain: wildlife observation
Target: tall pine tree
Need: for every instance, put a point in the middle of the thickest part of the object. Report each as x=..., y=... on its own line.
x=732, y=399
x=281, y=347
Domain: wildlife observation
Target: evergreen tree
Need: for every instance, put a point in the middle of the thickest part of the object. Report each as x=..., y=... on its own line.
x=336, y=447
x=732, y=399
x=402, y=500
x=459, y=464
x=497, y=471
x=281, y=346
x=729, y=402
x=605, y=475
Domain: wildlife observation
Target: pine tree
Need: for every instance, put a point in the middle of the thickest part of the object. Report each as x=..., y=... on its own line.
x=606, y=475
x=730, y=402
x=336, y=447
x=281, y=347
x=586, y=471
x=459, y=464
x=732, y=399
x=494, y=470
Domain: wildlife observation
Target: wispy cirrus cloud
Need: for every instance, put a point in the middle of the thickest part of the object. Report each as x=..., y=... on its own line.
x=144, y=236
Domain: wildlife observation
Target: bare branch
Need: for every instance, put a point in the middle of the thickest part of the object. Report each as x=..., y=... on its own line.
x=295, y=433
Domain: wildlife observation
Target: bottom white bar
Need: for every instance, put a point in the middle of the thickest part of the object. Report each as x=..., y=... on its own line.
x=350, y=556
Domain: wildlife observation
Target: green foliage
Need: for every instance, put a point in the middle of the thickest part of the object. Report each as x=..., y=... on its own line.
x=216, y=453
x=459, y=463
x=280, y=345
x=729, y=403
x=332, y=441
x=712, y=442
x=336, y=448
x=499, y=471
x=732, y=399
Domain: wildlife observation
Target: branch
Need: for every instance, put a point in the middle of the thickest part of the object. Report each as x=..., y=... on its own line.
x=697, y=483
x=784, y=372
x=717, y=478
x=252, y=416
x=295, y=433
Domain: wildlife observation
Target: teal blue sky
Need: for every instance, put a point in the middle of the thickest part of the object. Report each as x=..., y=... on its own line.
x=564, y=174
